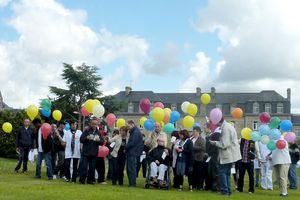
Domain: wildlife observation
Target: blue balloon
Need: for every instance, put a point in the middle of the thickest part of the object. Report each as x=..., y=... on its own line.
x=286, y=125
x=150, y=115
x=174, y=117
x=46, y=112
x=275, y=134
x=67, y=127
x=149, y=125
x=264, y=129
x=255, y=136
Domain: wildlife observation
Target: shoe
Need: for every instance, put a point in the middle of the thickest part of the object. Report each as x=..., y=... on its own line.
x=54, y=177
x=270, y=189
x=256, y=185
x=283, y=195
x=103, y=183
x=250, y=192
x=180, y=188
x=67, y=180
x=191, y=188
x=25, y=172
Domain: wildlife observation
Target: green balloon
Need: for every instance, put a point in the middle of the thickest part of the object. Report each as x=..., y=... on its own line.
x=169, y=128
x=46, y=104
x=271, y=145
x=274, y=122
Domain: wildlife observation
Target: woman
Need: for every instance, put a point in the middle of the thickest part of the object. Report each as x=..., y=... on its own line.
x=121, y=156
x=184, y=161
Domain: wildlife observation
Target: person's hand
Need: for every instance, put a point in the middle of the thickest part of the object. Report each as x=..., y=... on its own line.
x=90, y=137
x=212, y=142
x=157, y=162
x=17, y=149
x=31, y=150
x=166, y=151
x=97, y=138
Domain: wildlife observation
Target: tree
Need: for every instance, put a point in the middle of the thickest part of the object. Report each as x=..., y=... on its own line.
x=82, y=83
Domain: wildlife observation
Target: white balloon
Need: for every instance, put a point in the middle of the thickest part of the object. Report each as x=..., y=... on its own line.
x=98, y=111
x=184, y=106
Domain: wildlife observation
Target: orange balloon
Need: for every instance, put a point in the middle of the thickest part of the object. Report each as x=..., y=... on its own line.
x=166, y=118
x=237, y=113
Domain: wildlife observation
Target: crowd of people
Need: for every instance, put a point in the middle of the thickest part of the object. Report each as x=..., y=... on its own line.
x=208, y=157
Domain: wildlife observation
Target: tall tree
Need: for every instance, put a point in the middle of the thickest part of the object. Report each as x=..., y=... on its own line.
x=82, y=83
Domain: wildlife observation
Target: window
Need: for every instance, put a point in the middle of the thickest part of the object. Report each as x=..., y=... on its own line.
x=255, y=107
x=279, y=107
x=268, y=108
x=130, y=107
x=255, y=126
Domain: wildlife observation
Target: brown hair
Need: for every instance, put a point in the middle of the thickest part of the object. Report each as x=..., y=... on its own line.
x=116, y=132
x=124, y=128
x=184, y=133
x=131, y=122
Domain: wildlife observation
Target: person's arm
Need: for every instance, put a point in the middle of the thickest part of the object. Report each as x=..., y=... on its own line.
x=100, y=141
x=225, y=139
x=131, y=142
x=199, y=146
x=18, y=138
x=32, y=139
x=84, y=137
x=257, y=151
x=188, y=147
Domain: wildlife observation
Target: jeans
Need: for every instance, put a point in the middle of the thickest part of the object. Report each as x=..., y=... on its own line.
x=23, y=157
x=74, y=167
x=121, y=167
x=293, y=176
x=138, y=166
x=131, y=170
x=224, y=175
x=100, y=168
x=39, y=160
x=87, y=169
x=60, y=167
x=257, y=174
x=242, y=170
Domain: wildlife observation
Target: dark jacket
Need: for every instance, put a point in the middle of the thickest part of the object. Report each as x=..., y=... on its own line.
x=199, y=149
x=156, y=154
x=187, y=154
x=90, y=147
x=56, y=142
x=251, y=149
x=294, y=153
x=47, y=145
x=25, y=138
x=212, y=150
x=135, y=144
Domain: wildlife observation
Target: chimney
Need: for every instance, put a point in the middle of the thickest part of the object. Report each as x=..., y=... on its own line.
x=213, y=92
x=198, y=91
x=288, y=94
x=127, y=90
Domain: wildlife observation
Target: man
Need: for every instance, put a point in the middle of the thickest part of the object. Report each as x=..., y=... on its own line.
x=59, y=150
x=295, y=155
x=151, y=141
x=133, y=149
x=24, y=144
x=91, y=139
x=229, y=153
x=265, y=167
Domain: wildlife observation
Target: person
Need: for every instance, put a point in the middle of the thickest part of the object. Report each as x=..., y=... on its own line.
x=71, y=141
x=174, y=141
x=265, y=167
x=229, y=153
x=133, y=149
x=121, y=158
x=100, y=160
x=90, y=139
x=249, y=150
x=294, y=153
x=256, y=171
x=53, y=152
x=281, y=161
x=59, y=149
x=184, y=161
x=199, y=158
x=24, y=144
x=151, y=140
x=159, y=162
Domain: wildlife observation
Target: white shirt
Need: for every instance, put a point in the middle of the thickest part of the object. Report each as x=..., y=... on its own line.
x=264, y=151
x=68, y=140
x=40, y=149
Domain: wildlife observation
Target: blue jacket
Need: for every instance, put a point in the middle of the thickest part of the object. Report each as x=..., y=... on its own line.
x=135, y=144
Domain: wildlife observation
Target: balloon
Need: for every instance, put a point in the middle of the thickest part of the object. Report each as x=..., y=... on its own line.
x=145, y=105
x=149, y=125
x=175, y=116
x=184, y=106
x=188, y=122
x=110, y=119
x=237, y=113
x=286, y=125
x=45, y=112
x=280, y=144
x=264, y=117
x=169, y=128
x=166, y=116
x=98, y=111
x=215, y=115
x=7, y=127
x=159, y=104
x=32, y=111
x=46, y=130
x=89, y=105
x=46, y=103
x=290, y=137
x=196, y=124
x=264, y=129
x=67, y=127
x=162, y=124
x=271, y=145
x=84, y=112
x=255, y=136
x=158, y=114
x=57, y=115
x=103, y=151
x=246, y=133
x=205, y=99
x=142, y=121
x=264, y=139
x=96, y=102
x=275, y=134
x=192, y=109
x=213, y=127
x=120, y=123
x=274, y=123
x=167, y=110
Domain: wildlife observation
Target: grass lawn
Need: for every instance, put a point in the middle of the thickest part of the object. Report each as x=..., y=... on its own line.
x=25, y=186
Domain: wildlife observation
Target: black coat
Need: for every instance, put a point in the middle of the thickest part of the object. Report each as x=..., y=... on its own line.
x=25, y=138
x=135, y=144
x=251, y=149
x=47, y=145
x=56, y=142
x=294, y=153
x=156, y=154
x=212, y=150
x=90, y=147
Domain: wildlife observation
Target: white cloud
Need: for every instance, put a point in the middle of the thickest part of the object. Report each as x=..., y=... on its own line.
x=4, y=3
x=112, y=84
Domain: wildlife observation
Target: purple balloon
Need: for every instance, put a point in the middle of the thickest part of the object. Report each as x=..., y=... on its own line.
x=145, y=105
x=215, y=115
x=290, y=137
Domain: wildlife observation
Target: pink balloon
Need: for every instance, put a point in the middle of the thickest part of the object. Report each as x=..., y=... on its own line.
x=84, y=112
x=145, y=105
x=290, y=137
x=159, y=104
x=46, y=130
x=215, y=115
x=213, y=127
x=280, y=144
x=110, y=119
x=264, y=117
x=103, y=151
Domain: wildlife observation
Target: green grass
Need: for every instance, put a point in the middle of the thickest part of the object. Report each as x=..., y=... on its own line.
x=21, y=186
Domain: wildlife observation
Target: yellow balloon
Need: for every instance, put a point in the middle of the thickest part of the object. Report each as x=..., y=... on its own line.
x=246, y=133
x=167, y=110
x=142, y=121
x=56, y=114
x=158, y=114
x=188, y=122
x=32, y=111
x=96, y=102
x=192, y=109
x=7, y=127
x=205, y=98
x=120, y=123
x=162, y=124
x=89, y=105
x=284, y=133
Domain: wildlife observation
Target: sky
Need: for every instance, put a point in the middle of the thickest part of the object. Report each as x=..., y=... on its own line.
x=162, y=46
